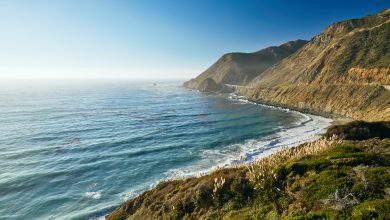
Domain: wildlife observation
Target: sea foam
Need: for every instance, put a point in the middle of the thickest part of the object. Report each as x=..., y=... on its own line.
x=307, y=129
x=93, y=195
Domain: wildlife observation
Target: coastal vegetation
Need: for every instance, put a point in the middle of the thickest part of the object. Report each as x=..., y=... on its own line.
x=343, y=177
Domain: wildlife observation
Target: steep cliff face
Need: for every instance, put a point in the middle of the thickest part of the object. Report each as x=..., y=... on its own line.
x=365, y=102
x=343, y=71
x=241, y=68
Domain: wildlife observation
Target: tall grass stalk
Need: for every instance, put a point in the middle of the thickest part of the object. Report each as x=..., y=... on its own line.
x=262, y=170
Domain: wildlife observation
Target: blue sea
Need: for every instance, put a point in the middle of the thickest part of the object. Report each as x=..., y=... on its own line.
x=76, y=149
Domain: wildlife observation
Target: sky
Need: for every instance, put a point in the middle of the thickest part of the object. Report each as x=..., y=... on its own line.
x=159, y=39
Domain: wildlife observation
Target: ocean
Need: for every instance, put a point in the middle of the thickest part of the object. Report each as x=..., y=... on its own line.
x=76, y=149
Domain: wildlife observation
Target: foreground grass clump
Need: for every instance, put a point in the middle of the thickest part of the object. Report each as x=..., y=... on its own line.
x=325, y=179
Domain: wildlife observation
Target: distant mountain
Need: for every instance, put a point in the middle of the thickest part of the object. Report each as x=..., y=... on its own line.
x=343, y=71
x=241, y=68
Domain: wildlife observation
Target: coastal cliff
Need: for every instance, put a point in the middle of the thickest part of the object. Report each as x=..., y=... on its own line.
x=344, y=71
x=242, y=68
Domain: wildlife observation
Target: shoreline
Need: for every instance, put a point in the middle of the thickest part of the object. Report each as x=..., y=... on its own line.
x=314, y=126
x=310, y=122
x=309, y=165
x=310, y=126
x=269, y=144
x=336, y=119
x=266, y=146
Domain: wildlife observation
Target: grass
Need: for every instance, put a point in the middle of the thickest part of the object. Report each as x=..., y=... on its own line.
x=263, y=170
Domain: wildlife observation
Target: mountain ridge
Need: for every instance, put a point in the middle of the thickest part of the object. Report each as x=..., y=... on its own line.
x=240, y=68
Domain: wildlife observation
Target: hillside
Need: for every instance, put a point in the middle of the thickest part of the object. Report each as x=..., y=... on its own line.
x=343, y=71
x=325, y=179
x=241, y=68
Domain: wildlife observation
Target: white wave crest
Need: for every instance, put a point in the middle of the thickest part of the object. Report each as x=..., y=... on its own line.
x=93, y=195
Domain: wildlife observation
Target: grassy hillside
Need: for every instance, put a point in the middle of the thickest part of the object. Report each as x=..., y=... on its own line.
x=327, y=58
x=342, y=71
x=328, y=178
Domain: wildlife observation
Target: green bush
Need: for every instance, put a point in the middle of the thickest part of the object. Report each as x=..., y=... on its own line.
x=375, y=209
x=360, y=130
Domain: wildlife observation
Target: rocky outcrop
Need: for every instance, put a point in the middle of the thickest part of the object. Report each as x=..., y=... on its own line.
x=241, y=68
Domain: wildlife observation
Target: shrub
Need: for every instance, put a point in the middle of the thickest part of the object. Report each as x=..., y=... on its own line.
x=375, y=209
x=360, y=130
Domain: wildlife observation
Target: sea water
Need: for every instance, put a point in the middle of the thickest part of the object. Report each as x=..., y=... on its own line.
x=78, y=149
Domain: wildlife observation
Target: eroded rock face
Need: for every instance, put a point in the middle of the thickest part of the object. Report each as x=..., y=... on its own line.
x=379, y=76
x=370, y=103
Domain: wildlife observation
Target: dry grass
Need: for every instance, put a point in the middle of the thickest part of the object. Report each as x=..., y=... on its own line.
x=262, y=170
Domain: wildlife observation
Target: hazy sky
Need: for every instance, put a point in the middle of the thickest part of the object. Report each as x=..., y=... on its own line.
x=152, y=39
